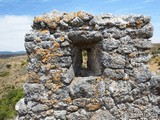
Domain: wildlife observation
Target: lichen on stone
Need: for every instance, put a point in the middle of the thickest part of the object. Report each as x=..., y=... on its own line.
x=115, y=83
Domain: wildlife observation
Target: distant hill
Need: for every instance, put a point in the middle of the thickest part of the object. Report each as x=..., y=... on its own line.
x=10, y=53
x=6, y=54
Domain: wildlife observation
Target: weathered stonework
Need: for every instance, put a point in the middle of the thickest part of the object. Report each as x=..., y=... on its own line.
x=116, y=85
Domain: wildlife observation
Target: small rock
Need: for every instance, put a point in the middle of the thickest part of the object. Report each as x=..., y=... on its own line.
x=102, y=115
x=39, y=108
x=50, y=118
x=93, y=106
x=117, y=74
x=84, y=16
x=60, y=114
x=113, y=61
x=65, y=44
x=79, y=115
x=77, y=22
x=68, y=76
x=21, y=107
x=63, y=24
x=72, y=108
x=109, y=102
x=86, y=87
x=110, y=44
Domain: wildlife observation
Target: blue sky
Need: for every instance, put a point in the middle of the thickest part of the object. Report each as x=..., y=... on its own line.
x=16, y=15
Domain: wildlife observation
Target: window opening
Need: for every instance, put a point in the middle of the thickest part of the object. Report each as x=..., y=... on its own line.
x=84, y=59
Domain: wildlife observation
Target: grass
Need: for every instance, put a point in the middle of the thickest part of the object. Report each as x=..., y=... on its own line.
x=8, y=102
x=4, y=73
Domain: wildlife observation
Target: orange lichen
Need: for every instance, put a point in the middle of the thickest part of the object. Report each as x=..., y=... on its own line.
x=37, y=19
x=80, y=14
x=53, y=87
x=46, y=54
x=43, y=31
x=99, y=78
x=93, y=106
x=69, y=17
x=46, y=20
x=44, y=60
x=56, y=76
x=57, y=20
x=37, y=39
x=52, y=39
x=56, y=87
x=58, y=54
x=62, y=38
x=132, y=55
x=67, y=100
x=139, y=23
x=52, y=25
x=56, y=45
x=46, y=101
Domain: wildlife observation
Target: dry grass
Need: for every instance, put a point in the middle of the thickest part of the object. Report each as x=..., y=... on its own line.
x=154, y=64
x=13, y=73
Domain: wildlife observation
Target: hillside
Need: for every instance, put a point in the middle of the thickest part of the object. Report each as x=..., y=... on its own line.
x=154, y=64
x=13, y=72
x=6, y=54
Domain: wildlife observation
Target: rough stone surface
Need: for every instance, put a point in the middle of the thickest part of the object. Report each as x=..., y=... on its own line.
x=21, y=107
x=86, y=67
x=102, y=115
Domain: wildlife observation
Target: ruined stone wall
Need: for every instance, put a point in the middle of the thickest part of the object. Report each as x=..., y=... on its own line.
x=115, y=85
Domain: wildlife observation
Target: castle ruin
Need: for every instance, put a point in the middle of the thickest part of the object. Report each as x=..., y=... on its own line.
x=85, y=67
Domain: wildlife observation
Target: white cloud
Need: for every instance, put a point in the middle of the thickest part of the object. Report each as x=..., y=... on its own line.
x=13, y=29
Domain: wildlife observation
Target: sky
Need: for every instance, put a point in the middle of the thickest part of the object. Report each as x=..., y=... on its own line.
x=16, y=16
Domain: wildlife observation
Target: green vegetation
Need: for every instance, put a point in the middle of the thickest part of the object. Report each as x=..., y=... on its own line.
x=8, y=102
x=24, y=62
x=4, y=73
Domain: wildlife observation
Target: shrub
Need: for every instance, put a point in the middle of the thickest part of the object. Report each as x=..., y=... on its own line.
x=4, y=73
x=8, y=66
x=23, y=62
x=8, y=102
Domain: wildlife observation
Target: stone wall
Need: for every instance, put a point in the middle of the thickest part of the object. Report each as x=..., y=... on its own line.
x=116, y=83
